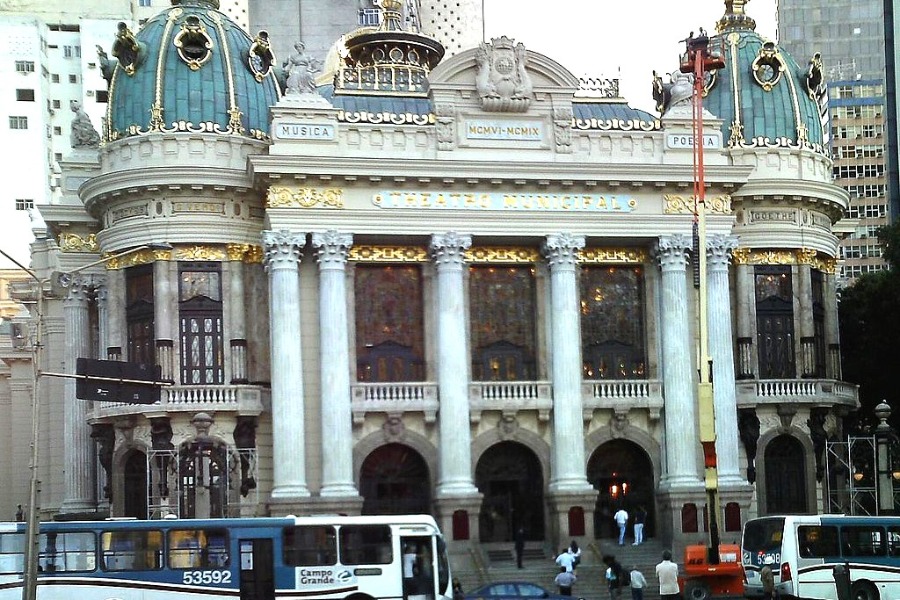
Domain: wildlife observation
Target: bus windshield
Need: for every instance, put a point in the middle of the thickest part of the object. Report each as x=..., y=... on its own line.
x=762, y=543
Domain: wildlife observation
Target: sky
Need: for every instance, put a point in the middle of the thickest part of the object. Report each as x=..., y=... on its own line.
x=628, y=39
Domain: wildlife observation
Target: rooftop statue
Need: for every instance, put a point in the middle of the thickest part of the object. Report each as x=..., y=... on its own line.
x=83, y=133
x=300, y=70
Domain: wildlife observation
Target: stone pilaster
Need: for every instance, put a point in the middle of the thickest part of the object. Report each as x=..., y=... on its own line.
x=237, y=319
x=746, y=313
x=165, y=309
x=102, y=293
x=283, y=250
x=454, y=446
x=79, y=461
x=332, y=248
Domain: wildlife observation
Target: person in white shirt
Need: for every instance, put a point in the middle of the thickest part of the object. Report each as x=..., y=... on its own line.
x=566, y=560
x=667, y=573
x=621, y=518
x=565, y=580
x=638, y=583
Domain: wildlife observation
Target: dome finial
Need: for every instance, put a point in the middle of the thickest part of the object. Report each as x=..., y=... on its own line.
x=390, y=15
x=735, y=17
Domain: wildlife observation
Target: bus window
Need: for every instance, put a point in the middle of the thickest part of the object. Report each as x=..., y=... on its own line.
x=762, y=542
x=131, y=550
x=197, y=549
x=75, y=551
x=366, y=545
x=309, y=546
x=12, y=553
x=893, y=541
x=867, y=540
x=817, y=541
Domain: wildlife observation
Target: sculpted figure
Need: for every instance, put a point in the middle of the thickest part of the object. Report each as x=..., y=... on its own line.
x=83, y=133
x=300, y=70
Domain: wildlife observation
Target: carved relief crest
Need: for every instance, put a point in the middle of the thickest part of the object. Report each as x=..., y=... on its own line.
x=502, y=80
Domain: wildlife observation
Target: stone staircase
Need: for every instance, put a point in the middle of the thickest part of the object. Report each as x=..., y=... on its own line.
x=496, y=562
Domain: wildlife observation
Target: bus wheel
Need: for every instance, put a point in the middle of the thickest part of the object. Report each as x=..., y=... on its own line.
x=863, y=590
x=696, y=590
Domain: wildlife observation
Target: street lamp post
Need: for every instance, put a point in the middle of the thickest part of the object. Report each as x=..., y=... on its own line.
x=884, y=472
x=32, y=519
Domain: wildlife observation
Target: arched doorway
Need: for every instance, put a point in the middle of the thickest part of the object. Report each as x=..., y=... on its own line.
x=394, y=480
x=134, y=478
x=785, y=465
x=509, y=476
x=623, y=474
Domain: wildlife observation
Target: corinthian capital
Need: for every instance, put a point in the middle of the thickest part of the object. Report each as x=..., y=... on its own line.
x=448, y=249
x=672, y=251
x=332, y=248
x=561, y=249
x=718, y=250
x=282, y=248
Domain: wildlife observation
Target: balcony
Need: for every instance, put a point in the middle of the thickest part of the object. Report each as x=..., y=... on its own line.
x=394, y=398
x=815, y=392
x=622, y=395
x=510, y=397
x=242, y=399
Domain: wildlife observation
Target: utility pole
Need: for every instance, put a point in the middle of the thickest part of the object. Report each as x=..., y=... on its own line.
x=699, y=59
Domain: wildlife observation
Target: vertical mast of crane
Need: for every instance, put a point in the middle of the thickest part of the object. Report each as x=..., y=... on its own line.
x=699, y=59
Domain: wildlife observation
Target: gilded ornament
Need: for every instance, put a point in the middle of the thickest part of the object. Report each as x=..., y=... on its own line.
x=502, y=254
x=143, y=257
x=684, y=205
x=282, y=197
x=626, y=256
x=414, y=254
x=193, y=43
x=72, y=242
x=197, y=252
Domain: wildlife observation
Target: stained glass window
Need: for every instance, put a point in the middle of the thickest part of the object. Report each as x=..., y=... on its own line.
x=775, y=322
x=389, y=323
x=502, y=300
x=612, y=322
x=200, y=320
x=139, y=314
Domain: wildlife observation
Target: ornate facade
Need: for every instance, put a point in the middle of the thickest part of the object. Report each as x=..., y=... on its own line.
x=464, y=289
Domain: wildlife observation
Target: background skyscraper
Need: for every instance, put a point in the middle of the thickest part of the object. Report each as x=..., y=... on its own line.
x=850, y=35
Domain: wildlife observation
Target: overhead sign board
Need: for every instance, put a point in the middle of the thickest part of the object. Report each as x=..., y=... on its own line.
x=117, y=381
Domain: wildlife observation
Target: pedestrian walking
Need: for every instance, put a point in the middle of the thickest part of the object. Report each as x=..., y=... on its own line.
x=519, y=545
x=640, y=516
x=614, y=577
x=667, y=574
x=767, y=578
x=566, y=560
x=638, y=583
x=20, y=514
x=621, y=518
x=575, y=551
x=565, y=580
x=458, y=593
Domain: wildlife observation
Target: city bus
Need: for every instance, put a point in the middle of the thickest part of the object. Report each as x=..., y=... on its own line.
x=802, y=552
x=291, y=558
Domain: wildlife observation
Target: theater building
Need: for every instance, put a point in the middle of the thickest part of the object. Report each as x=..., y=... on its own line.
x=459, y=286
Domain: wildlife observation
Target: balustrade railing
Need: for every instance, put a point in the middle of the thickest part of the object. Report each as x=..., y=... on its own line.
x=246, y=398
x=814, y=391
x=394, y=397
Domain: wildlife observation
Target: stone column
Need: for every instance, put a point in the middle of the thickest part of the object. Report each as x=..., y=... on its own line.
x=832, y=326
x=79, y=461
x=283, y=250
x=746, y=314
x=807, y=354
x=100, y=285
x=237, y=317
x=454, y=451
x=718, y=315
x=165, y=313
x=115, y=310
x=568, y=472
x=332, y=248
x=679, y=376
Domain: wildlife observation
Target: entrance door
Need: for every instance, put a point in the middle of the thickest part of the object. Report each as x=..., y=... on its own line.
x=418, y=567
x=785, y=476
x=623, y=474
x=257, y=569
x=509, y=475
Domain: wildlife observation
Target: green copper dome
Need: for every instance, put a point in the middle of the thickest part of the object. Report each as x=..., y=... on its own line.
x=189, y=69
x=764, y=97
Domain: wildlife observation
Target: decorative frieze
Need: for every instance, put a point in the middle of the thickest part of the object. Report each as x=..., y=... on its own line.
x=684, y=205
x=619, y=256
x=502, y=255
x=283, y=197
x=72, y=242
x=800, y=256
x=376, y=254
